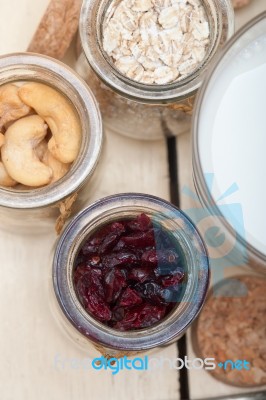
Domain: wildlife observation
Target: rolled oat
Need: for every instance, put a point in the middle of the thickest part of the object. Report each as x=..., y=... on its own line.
x=156, y=41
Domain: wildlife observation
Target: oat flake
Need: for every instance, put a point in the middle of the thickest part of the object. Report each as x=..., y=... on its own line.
x=156, y=41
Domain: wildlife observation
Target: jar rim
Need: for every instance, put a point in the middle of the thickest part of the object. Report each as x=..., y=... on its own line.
x=89, y=24
x=201, y=185
x=170, y=327
x=17, y=67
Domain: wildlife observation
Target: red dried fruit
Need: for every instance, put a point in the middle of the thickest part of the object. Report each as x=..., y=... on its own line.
x=173, y=280
x=128, y=275
x=119, y=246
x=118, y=314
x=80, y=270
x=109, y=242
x=141, y=239
x=118, y=227
x=141, y=223
x=114, y=282
x=97, y=306
x=129, y=298
x=119, y=259
x=91, y=246
x=129, y=321
x=149, y=315
x=151, y=291
x=155, y=257
x=141, y=316
x=141, y=274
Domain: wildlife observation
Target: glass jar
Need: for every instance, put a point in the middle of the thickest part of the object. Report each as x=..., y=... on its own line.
x=86, y=330
x=135, y=109
x=237, y=304
x=228, y=149
x=37, y=209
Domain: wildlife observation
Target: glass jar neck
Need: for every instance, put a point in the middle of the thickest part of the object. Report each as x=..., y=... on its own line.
x=221, y=19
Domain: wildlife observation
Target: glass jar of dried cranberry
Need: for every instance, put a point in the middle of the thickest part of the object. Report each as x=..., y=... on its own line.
x=130, y=273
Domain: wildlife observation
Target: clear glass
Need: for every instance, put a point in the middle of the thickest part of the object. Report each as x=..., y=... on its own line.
x=139, y=110
x=246, y=44
x=35, y=210
x=87, y=331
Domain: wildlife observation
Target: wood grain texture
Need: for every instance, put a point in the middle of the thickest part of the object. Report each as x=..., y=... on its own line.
x=56, y=29
x=38, y=361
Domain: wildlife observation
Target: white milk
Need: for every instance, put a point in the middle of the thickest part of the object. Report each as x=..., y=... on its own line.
x=232, y=135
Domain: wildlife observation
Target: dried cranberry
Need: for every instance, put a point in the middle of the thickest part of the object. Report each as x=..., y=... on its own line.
x=173, y=280
x=91, y=246
x=128, y=275
x=118, y=227
x=114, y=282
x=155, y=257
x=150, y=291
x=149, y=315
x=118, y=314
x=141, y=223
x=129, y=298
x=141, y=239
x=141, y=274
x=97, y=306
x=109, y=242
x=129, y=320
x=119, y=246
x=141, y=316
x=119, y=259
x=172, y=294
x=80, y=270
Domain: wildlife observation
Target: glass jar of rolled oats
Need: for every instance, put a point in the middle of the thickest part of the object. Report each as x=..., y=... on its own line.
x=146, y=59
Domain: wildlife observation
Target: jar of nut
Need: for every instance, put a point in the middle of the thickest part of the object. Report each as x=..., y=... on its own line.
x=51, y=138
x=130, y=273
x=145, y=59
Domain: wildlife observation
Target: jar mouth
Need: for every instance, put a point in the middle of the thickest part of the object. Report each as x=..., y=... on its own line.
x=114, y=207
x=18, y=67
x=246, y=34
x=221, y=20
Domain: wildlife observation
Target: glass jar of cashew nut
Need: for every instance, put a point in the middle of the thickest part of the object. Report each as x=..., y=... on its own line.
x=51, y=139
x=145, y=59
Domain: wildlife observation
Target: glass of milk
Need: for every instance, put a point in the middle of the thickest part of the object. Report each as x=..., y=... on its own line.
x=229, y=148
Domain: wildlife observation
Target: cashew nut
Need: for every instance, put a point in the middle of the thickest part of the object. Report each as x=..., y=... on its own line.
x=41, y=149
x=2, y=139
x=18, y=154
x=5, y=179
x=11, y=106
x=59, y=169
x=61, y=117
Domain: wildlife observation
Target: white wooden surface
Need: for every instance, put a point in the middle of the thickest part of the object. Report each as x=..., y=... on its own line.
x=30, y=338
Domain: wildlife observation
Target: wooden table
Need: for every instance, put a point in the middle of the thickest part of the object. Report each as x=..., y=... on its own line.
x=30, y=337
